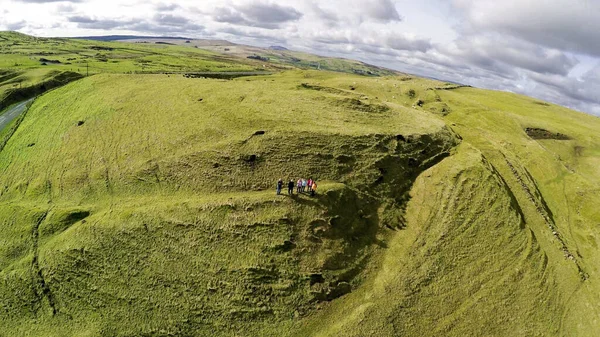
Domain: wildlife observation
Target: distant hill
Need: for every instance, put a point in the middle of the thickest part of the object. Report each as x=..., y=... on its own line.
x=274, y=56
x=277, y=48
x=127, y=37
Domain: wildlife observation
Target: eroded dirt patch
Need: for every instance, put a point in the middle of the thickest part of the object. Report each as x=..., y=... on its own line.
x=538, y=133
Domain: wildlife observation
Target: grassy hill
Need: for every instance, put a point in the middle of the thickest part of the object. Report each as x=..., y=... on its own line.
x=30, y=66
x=274, y=56
x=144, y=205
x=82, y=56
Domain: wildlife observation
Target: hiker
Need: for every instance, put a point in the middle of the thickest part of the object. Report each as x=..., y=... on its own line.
x=313, y=189
x=304, y=184
x=309, y=184
x=279, y=186
x=299, y=186
x=291, y=187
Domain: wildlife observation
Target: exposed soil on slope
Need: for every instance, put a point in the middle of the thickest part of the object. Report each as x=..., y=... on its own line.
x=537, y=133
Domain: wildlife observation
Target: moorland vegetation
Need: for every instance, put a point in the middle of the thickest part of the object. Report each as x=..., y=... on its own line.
x=141, y=202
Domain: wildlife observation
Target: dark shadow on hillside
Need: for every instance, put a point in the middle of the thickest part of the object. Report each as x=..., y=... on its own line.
x=21, y=94
x=226, y=75
x=539, y=133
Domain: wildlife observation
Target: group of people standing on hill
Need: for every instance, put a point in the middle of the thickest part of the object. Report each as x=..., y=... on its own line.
x=302, y=186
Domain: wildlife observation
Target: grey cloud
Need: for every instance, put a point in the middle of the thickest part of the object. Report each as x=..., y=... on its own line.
x=171, y=20
x=81, y=19
x=65, y=8
x=270, y=13
x=501, y=54
x=329, y=18
x=382, y=10
x=567, y=92
x=263, y=15
x=16, y=25
x=332, y=38
x=372, y=40
x=561, y=24
x=256, y=35
x=167, y=7
x=399, y=42
x=355, y=12
x=161, y=23
x=228, y=15
x=441, y=62
x=441, y=66
x=581, y=90
x=150, y=27
x=92, y=23
x=538, y=60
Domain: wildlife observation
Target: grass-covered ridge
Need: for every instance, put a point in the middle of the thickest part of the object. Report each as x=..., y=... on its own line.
x=177, y=164
x=199, y=135
x=30, y=66
x=27, y=52
x=144, y=204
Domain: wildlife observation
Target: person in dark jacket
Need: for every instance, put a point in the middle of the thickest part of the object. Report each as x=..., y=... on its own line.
x=279, y=186
x=291, y=187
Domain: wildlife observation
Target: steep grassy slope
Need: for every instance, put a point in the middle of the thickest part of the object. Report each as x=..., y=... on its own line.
x=556, y=181
x=465, y=265
x=517, y=256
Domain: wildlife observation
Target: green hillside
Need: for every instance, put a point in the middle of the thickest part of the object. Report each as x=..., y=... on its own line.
x=143, y=204
x=82, y=56
x=30, y=66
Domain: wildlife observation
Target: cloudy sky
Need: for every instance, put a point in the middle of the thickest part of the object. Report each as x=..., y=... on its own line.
x=549, y=49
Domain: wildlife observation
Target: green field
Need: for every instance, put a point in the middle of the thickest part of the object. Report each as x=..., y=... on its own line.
x=30, y=66
x=25, y=52
x=142, y=203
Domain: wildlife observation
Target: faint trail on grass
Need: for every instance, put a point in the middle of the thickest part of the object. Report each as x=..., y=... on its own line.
x=38, y=274
x=568, y=305
x=545, y=213
x=577, y=250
